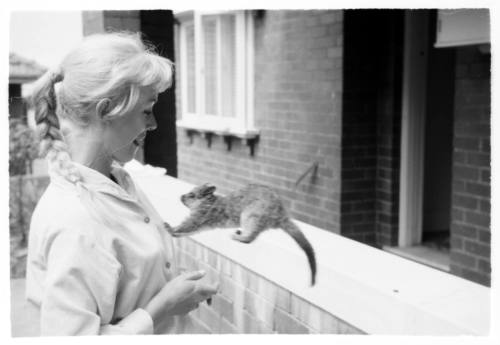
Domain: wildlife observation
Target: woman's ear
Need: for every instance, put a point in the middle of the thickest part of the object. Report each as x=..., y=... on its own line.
x=102, y=107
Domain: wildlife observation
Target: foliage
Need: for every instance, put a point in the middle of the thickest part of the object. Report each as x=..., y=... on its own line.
x=23, y=147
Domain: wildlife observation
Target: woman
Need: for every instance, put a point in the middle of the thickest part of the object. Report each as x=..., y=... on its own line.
x=99, y=258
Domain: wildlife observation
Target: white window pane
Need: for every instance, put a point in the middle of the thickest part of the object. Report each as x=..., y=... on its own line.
x=190, y=64
x=210, y=59
x=228, y=65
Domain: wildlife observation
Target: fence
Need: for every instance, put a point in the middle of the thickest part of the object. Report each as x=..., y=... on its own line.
x=24, y=192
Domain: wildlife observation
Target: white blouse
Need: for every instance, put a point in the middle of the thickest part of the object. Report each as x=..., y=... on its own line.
x=94, y=275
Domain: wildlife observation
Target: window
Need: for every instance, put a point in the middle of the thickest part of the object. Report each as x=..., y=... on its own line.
x=216, y=71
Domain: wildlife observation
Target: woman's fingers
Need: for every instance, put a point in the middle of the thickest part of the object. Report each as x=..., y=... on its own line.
x=205, y=291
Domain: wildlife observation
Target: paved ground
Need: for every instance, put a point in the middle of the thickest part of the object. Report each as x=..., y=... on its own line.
x=23, y=316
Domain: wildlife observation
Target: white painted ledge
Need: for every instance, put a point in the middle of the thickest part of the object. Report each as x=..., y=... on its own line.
x=218, y=128
x=377, y=292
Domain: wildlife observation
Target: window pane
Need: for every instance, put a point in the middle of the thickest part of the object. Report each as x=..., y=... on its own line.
x=210, y=56
x=190, y=68
x=228, y=65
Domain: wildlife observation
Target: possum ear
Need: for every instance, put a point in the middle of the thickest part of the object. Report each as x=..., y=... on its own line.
x=207, y=189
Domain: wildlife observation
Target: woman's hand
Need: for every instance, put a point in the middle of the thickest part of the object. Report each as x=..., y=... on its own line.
x=180, y=295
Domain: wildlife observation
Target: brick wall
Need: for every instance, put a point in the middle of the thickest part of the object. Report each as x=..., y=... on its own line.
x=249, y=303
x=470, y=218
x=298, y=84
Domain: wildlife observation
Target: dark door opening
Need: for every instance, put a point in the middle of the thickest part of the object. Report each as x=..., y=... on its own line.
x=438, y=146
x=161, y=144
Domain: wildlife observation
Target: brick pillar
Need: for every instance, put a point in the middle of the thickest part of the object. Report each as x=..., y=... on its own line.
x=389, y=130
x=470, y=218
x=101, y=21
x=370, y=125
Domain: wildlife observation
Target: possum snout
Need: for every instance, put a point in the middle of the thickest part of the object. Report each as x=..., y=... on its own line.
x=174, y=232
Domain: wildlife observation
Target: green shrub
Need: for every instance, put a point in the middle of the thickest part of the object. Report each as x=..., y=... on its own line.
x=23, y=147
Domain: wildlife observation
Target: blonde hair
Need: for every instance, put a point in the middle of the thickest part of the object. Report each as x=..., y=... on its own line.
x=109, y=66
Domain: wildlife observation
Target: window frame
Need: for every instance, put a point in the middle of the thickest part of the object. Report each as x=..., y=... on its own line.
x=242, y=124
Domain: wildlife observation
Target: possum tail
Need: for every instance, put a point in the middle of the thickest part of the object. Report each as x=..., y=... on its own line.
x=293, y=230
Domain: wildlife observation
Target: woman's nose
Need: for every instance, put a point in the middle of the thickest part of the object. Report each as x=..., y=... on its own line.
x=151, y=123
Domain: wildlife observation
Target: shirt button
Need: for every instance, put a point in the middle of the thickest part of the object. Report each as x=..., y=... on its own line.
x=146, y=219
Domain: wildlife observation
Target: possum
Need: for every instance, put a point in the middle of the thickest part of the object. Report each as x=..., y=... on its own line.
x=254, y=209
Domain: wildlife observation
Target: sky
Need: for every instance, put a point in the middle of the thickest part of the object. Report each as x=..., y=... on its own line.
x=44, y=36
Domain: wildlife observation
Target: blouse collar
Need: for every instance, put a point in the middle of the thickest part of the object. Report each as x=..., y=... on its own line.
x=96, y=181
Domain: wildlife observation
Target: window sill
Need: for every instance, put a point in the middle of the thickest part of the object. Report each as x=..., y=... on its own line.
x=377, y=292
x=250, y=136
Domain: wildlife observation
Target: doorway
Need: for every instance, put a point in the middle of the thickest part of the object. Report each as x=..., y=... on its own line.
x=426, y=144
x=438, y=146
x=160, y=148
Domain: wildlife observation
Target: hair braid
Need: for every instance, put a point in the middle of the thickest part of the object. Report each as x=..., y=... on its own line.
x=52, y=144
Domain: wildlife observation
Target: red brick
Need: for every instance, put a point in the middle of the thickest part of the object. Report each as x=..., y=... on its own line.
x=484, y=266
x=486, y=176
x=459, y=157
x=478, y=159
x=465, y=173
x=456, y=242
x=457, y=215
x=462, y=259
x=485, y=206
x=464, y=230
x=485, y=145
x=467, y=143
x=484, y=236
x=478, y=249
x=465, y=201
x=478, y=219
